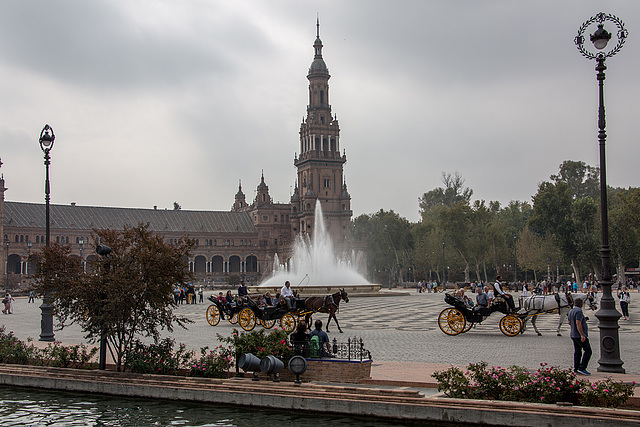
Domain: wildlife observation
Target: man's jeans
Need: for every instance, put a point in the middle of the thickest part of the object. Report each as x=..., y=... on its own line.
x=580, y=361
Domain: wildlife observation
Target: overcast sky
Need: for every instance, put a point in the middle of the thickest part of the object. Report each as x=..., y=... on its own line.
x=160, y=101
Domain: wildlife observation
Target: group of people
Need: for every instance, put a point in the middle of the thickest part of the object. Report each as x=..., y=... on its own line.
x=484, y=297
x=187, y=294
x=310, y=344
x=286, y=296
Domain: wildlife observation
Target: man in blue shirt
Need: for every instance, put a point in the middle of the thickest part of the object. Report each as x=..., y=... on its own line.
x=325, y=347
x=580, y=337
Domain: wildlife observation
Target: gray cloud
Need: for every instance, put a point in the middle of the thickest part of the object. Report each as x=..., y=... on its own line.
x=179, y=100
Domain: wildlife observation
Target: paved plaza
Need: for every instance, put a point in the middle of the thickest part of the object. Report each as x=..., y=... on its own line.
x=398, y=328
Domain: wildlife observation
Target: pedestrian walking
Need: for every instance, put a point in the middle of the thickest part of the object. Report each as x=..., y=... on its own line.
x=625, y=299
x=580, y=337
x=32, y=297
x=7, y=303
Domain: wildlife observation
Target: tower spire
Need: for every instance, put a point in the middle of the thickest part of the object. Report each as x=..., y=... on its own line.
x=318, y=25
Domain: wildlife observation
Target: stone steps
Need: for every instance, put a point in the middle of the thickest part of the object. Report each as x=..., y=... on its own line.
x=395, y=403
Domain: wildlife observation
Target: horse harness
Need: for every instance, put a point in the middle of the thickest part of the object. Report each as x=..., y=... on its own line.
x=328, y=300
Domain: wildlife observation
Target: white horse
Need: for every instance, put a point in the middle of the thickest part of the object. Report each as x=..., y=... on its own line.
x=539, y=304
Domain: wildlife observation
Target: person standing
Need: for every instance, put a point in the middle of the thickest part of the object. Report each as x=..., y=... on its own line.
x=7, y=303
x=32, y=297
x=580, y=337
x=625, y=299
x=525, y=290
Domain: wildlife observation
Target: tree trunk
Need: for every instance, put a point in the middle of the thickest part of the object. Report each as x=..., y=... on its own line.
x=484, y=267
x=576, y=272
x=621, y=276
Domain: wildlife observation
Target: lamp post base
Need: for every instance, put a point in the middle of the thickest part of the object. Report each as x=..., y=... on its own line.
x=609, y=341
x=46, y=324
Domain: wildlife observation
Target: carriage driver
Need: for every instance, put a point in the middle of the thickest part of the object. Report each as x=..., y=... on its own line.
x=287, y=294
x=508, y=298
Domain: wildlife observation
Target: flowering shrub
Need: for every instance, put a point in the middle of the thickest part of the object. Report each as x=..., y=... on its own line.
x=12, y=350
x=260, y=343
x=72, y=356
x=212, y=364
x=546, y=385
x=157, y=358
x=606, y=392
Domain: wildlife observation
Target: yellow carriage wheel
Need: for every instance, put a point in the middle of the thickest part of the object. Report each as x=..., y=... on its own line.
x=268, y=324
x=467, y=326
x=451, y=321
x=247, y=319
x=510, y=325
x=213, y=315
x=288, y=323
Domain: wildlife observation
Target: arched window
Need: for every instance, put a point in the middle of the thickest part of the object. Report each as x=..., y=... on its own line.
x=17, y=239
x=37, y=239
x=234, y=264
x=252, y=264
x=321, y=97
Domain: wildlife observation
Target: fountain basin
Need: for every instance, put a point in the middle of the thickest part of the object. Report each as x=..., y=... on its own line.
x=315, y=290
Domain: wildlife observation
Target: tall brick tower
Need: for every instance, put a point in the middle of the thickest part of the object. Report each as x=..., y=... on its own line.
x=320, y=164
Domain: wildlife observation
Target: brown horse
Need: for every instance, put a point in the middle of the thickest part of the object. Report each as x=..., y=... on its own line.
x=327, y=304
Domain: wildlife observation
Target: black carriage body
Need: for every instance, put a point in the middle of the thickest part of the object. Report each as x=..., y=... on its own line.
x=461, y=318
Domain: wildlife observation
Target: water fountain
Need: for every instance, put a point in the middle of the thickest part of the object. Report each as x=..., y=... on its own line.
x=314, y=267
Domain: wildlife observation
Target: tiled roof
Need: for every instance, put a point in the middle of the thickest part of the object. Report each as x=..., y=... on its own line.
x=18, y=214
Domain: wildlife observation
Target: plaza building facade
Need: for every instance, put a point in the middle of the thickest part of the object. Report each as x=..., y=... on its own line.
x=242, y=241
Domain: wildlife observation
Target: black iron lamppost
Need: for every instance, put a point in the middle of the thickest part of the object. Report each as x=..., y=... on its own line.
x=515, y=263
x=47, y=138
x=607, y=315
x=6, y=287
x=444, y=282
x=81, y=243
x=28, y=258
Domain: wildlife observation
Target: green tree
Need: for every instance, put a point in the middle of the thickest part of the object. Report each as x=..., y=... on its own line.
x=582, y=179
x=129, y=294
x=389, y=243
x=624, y=227
x=453, y=192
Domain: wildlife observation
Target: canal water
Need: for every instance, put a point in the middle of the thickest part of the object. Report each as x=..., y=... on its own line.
x=31, y=407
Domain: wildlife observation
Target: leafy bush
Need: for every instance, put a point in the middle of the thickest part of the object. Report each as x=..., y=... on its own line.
x=606, y=392
x=260, y=343
x=71, y=356
x=546, y=385
x=212, y=364
x=12, y=350
x=157, y=358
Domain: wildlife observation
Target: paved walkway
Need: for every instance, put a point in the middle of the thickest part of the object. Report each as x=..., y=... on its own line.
x=402, y=334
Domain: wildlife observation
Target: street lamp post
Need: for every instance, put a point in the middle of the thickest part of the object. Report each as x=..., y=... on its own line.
x=81, y=243
x=28, y=258
x=607, y=315
x=515, y=263
x=47, y=138
x=6, y=286
x=444, y=282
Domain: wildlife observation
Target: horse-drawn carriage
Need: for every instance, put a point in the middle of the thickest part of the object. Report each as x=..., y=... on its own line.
x=460, y=318
x=247, y=314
